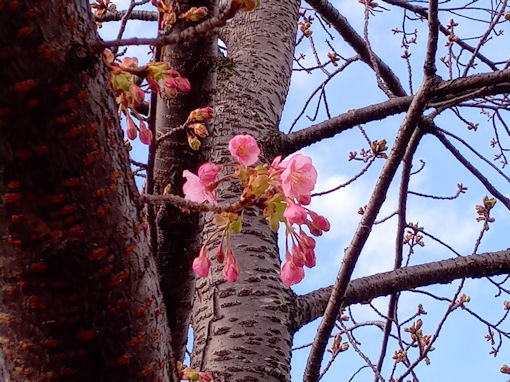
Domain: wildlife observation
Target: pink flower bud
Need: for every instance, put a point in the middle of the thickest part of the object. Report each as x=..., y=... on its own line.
x=220, y=255
x=208, y=172
x=291, y=273
x=145, y=134
x=138, y=95
x=201, y=264
x=153, y=84
x=204, y=376
x=230, y=267
x=201, y=114
x=318, y=224
x=170, y=87
x=131, y=128
x=183, y=84
x=304, y=199
x=244, y=149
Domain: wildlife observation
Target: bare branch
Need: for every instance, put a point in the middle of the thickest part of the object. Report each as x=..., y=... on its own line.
x=313, y=304
x=173, y=38
x=342, y=26
x=487, y=84
x=413, y=116
x=424, y=13
x=456, y=153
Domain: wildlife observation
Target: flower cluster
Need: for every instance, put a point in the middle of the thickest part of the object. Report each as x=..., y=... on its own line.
x=129, y=95
x=194, y=14
x=283, y=188
x=195, y=127
x=101, y=7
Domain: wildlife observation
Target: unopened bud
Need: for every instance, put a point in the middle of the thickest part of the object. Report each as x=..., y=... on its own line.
x=193, y=142
x=200, y=130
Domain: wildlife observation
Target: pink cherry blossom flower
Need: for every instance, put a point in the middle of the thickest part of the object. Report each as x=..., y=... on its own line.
x=299, y=178
x=230, y=268
x=291, y=273
x=208, y=172
x=295, y=214
x=244, y=149
x=195, y=190
x=201, y=264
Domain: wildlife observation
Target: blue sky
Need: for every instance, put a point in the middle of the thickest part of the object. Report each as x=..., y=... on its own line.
x=461, y=350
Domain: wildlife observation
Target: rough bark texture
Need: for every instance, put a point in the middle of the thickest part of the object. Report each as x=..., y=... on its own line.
x=234, y=341
x=179, y=233
x=80, y=294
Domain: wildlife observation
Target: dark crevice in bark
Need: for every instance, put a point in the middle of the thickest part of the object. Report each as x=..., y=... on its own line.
x=179, y=233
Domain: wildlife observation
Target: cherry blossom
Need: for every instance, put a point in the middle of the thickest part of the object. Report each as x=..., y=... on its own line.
x=195, y=190
x=299, y=177
x=295, y=214
x=244, y=149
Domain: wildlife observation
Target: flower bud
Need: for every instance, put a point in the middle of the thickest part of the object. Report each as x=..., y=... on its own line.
x=183, y=84
x=201, y=263
x=200, y=130
x=194, y=14
x=131, y=130
x=145, y=134
x=193, y=142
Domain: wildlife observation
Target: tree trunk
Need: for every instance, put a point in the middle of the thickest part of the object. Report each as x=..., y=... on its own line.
x=80, y=293
x=231, y=338
x=179, y=235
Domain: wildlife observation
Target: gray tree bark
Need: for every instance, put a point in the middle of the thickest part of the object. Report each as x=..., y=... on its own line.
x=80, y=292
x=231, y=339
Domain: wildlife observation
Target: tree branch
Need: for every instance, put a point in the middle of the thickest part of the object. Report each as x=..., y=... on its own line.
x=424, y=13
x=342, y=26
x=456, y=153
x=313, y=304
x=135, y=15
x=176, y=37
x=447, y=91
x=414, y=115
